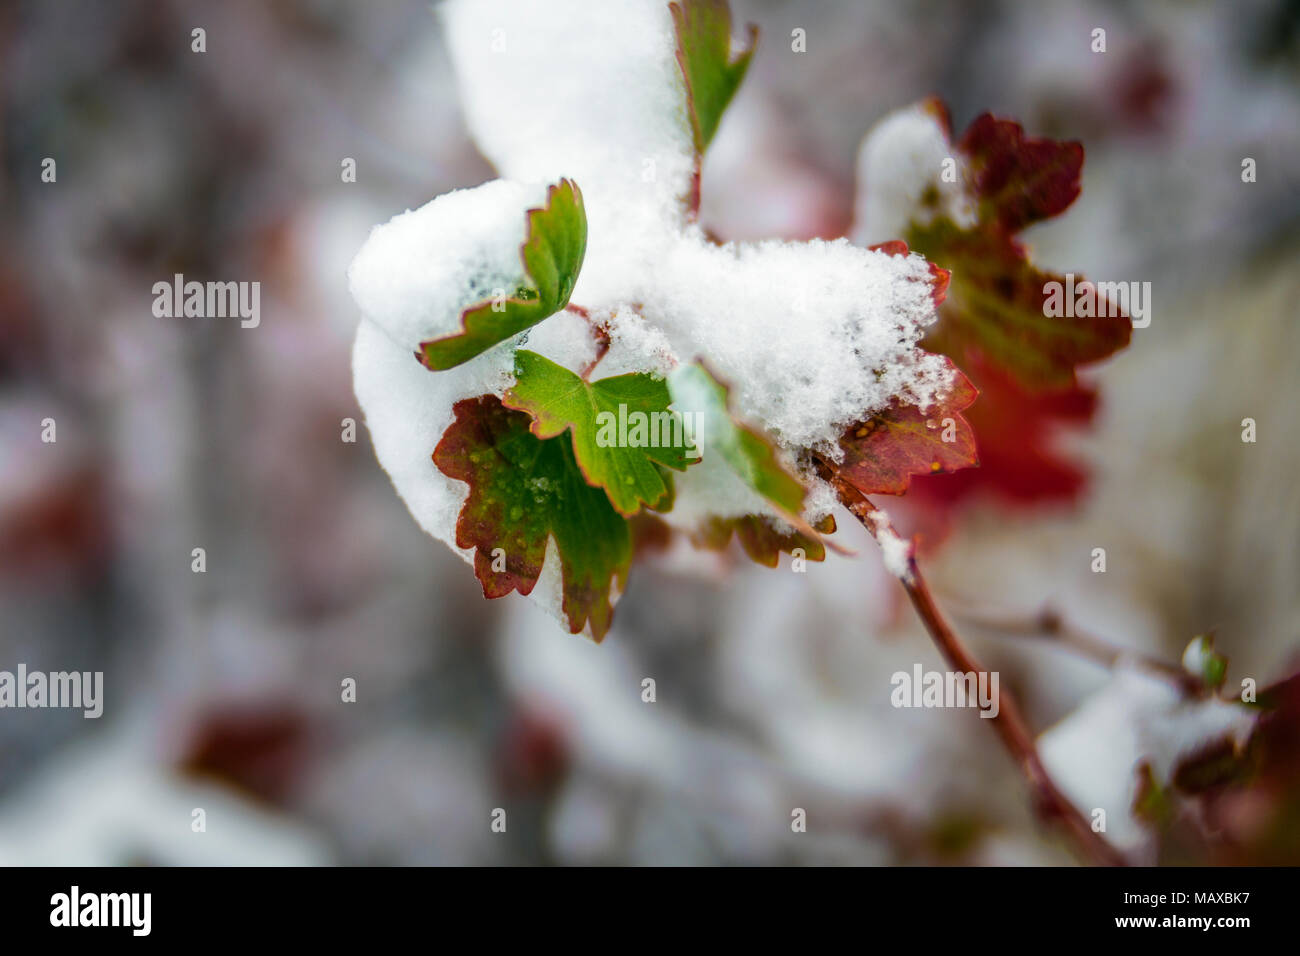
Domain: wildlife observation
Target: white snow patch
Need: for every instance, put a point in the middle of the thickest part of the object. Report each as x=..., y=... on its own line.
x=418, y=272
x=902, y=159
x=894, y=550
x=635, y=346
x=1093, y=754
x=407, y=409
x=799, y=331
x=591, y=91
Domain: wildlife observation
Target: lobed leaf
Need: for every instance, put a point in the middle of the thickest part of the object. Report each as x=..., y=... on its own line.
x=992, y=323
x=703, y=29
x=748, y=453
x=524, y=491
x=552, y=255
x=883, y=453
x=621, y=427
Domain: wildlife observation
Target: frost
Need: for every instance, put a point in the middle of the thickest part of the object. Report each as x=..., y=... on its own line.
x=900, y=177
x=821, y=501
x=1094, y=753
x=418, y=272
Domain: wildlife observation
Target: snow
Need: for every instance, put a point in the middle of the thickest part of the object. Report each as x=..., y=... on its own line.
x=896, y=552
x=407, y=408
x=591, y=91
x=799, y=330
x=900, y=160
x=1093, y=754
x=418, y=272
x=636, y=346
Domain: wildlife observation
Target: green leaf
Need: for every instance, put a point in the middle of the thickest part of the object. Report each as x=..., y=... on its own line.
x=552, y=255
x=621, y=427
x=748, y=453
x=524, y=490
x=712, y=77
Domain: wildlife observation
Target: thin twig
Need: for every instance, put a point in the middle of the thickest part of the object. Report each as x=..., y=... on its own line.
x=1049, y=625
x=1009, y=723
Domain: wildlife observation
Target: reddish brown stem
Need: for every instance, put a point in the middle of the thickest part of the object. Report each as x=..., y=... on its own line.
x=1009, y=723
x=599, y=333
x=693, y=198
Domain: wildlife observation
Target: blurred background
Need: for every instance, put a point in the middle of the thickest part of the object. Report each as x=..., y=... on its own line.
x=222, y=688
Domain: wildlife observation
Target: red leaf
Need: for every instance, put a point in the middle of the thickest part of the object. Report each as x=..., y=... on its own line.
x=883, y=453
x=1019, y=179
x=1015, y=431
x=994, y=325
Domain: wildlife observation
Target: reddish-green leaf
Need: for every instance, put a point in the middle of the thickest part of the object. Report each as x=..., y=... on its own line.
x=1016, y=432
x=995, y=303
x=552, y=255
x=523, y=491
x=992, y=323
x=882, y=453
x=621, y=427
x=763, y=538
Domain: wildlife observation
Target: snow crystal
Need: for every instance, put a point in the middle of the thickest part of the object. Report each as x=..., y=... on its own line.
x=900, y=167
x=565, y=338
x=798, y=330
x=418, y=272
x=636, y=346
x=821, y=500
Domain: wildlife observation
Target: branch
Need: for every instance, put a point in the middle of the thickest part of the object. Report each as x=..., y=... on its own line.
x=1010, y=725
x=1050, y=626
